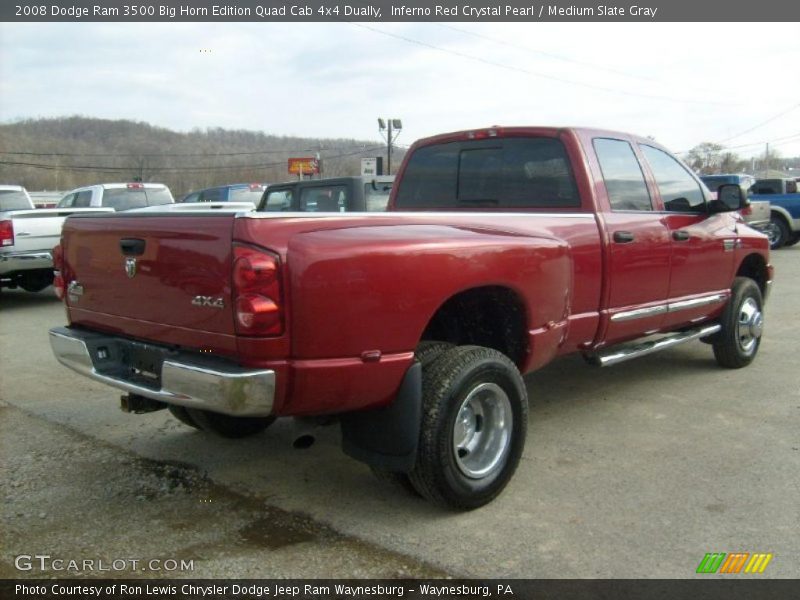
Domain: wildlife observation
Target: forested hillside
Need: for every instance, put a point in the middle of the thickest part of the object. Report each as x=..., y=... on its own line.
x=64, y=153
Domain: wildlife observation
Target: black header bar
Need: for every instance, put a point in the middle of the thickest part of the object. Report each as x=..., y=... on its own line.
x=733, y=588
x=407, y=10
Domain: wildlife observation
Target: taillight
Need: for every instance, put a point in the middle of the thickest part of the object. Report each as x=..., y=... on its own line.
x=58, y=279
x=6, y=233
x=257, y=286
x=135, y=186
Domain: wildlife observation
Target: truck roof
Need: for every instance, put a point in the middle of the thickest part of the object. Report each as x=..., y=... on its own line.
x=114, y=186
x=525, y=130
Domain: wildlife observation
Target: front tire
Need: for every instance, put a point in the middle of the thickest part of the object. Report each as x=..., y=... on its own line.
x=781, y=234
x=474, y=423
x=742, y=321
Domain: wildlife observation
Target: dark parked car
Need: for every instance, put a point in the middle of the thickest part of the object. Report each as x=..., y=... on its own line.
x=336, y=194
x=235, y=192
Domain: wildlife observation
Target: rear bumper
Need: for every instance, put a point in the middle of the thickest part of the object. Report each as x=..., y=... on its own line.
x=25, y=261
x=166, y=375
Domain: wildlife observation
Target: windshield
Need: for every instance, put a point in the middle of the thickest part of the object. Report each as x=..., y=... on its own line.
x=14, y=200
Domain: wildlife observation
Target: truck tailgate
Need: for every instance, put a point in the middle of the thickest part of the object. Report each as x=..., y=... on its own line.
x=150, y=270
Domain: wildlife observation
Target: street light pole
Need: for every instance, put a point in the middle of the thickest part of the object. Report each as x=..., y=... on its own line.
x=394, y=127
x=389, y=150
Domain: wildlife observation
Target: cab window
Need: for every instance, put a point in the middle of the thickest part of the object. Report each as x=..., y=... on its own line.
x=679, y=191
x=622, y=174
x=514, y=172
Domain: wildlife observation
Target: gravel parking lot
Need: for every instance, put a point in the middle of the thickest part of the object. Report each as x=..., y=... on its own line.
x=634, y=471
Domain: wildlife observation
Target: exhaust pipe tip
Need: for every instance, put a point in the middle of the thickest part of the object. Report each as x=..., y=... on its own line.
x=304, y=441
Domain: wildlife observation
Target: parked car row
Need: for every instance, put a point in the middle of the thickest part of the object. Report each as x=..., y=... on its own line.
x=28, y=234
x=334, y=194
x=784, y=201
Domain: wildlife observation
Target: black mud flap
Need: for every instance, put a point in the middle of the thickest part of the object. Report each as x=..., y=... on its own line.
x=387, y=437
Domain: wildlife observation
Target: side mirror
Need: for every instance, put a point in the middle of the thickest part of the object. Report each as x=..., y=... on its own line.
x=730, y=197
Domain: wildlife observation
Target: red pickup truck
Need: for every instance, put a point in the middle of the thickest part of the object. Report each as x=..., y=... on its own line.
x=503, y=248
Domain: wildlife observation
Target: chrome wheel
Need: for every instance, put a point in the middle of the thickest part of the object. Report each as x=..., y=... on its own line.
x=482, y=431
x=749, y=325
x=773, y=234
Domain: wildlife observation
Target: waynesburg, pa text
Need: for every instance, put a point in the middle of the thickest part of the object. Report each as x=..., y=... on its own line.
x=266, y=590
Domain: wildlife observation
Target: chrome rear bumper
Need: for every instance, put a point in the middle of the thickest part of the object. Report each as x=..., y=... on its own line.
x=171, y=376
x=25, y=261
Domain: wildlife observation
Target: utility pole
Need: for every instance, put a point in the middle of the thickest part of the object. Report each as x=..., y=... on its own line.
x=394, y=127
x=766, y=161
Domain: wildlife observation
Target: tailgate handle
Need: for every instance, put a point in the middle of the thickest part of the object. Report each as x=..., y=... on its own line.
x=131, y=246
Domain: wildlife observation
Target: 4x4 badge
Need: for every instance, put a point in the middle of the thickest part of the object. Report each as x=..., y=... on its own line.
x=130, y=267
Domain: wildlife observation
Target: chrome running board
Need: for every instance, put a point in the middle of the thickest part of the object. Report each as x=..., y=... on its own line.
x=617, y=354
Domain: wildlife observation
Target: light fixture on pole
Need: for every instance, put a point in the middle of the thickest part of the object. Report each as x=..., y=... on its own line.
x=392, y=128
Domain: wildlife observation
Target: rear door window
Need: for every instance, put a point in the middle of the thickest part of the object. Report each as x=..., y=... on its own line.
x=503, y=173
x=622, y=174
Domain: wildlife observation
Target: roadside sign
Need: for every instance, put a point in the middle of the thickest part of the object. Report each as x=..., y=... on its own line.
x=372, y=166
x=304, y=166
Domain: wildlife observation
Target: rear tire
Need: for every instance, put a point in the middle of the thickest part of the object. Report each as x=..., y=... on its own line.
x=226, y=425
x=736, y=344
x=474, y=423
x=182, y=414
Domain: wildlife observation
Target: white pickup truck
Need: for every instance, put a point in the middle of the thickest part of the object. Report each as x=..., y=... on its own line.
x=119, y=196
x=27, y=238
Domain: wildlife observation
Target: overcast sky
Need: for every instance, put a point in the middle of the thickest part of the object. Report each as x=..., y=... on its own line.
x=680, y=83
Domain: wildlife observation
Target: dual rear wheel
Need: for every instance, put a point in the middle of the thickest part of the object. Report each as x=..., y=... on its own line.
x=474, y=424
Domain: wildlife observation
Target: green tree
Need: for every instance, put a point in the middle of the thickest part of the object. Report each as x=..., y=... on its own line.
x=706, y=158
